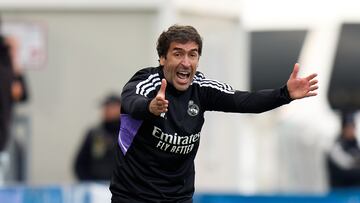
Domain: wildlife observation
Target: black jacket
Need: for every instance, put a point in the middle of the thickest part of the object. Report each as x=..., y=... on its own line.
x=340, y=175
x=155, y=154
x=6, y=78
x=95, y=159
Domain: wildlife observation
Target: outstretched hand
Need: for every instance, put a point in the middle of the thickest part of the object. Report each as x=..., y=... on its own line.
x=301, y=87
x=159, y=104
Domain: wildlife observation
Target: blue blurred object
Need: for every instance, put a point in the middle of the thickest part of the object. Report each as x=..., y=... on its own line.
x=94, y=193
x=22, y=194
x=11, y=195
x=50, y=194
x=340, y=196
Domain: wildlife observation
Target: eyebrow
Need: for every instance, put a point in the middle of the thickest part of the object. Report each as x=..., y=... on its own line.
x=180, y=49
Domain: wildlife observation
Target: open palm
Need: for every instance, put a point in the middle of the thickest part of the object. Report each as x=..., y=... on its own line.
x=301, y=87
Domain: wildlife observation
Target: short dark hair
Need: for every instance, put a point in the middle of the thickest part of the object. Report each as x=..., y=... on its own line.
x=112, y=98
x=177, y=33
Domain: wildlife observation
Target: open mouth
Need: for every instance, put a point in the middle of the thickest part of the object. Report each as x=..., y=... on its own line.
x=182, y=78
x=183, y=75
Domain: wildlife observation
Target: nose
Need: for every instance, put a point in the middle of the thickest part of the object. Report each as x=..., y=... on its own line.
x=186, y=61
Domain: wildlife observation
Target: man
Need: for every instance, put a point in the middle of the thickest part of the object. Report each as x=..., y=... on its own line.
x=95, y=159
x=12, y=86
x=343, y=159
x=6, y=76
x=163, y=113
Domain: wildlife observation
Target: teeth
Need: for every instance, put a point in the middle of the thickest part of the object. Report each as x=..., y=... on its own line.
x=183, y=75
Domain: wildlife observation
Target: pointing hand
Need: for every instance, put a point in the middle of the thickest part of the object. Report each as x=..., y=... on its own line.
x=159, y=104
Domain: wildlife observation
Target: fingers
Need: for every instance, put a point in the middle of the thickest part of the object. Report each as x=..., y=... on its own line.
x=311, y=94
x=295, y=71
x=313, y=82
x=312, y=88
x=312, y=76
x=159, y=104
x=162, y=89
x=302, y=87
x=162, y=103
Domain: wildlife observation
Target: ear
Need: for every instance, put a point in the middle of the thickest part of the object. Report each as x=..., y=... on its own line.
x=162, y=60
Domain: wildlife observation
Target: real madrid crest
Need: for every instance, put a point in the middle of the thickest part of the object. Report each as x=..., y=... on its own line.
x=193, y=109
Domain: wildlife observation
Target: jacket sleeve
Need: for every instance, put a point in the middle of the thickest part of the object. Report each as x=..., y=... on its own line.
x=138, y=93
x=224, y=98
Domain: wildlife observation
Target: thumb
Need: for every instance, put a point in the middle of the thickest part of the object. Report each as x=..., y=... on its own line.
x=162, y=89
x=295, y=71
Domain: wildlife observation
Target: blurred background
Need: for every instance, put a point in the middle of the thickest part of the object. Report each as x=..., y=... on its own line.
x=74, y=52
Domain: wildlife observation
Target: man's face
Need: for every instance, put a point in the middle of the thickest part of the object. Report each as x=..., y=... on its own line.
x=111, y=111
x=349, y=131
x=180, y=64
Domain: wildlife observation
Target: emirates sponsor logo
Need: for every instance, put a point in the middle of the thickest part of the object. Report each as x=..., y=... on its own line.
x=175, y=143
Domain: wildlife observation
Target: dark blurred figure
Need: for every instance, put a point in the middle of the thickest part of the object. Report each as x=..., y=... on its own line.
x=13, y=89
x=95, y=160
x=343, y=159
x=12, y=85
